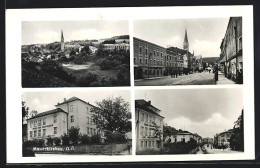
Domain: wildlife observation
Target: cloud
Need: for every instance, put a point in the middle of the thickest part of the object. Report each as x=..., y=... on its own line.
x=205, y=48
x=47, y=36
x=208, y=128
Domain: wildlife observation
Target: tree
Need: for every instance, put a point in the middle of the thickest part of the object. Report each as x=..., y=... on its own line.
x=25, y=111
x=167, y=130
x=158, y=132
x=74, y=135
x=237, y=139
x=112, y=114
x=33, y=113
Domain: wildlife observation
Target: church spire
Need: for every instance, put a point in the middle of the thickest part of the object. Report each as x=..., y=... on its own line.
x=62, y=42
x=62, y=38
x=186, y=42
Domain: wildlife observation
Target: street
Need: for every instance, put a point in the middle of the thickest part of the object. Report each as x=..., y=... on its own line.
x=209, y=150
x=204, y=78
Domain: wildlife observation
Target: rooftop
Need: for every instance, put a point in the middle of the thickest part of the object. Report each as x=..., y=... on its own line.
x=142, y=104
x=48, y=112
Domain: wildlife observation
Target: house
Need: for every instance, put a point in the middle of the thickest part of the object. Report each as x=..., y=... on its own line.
x=149, y=126
x=70, y=113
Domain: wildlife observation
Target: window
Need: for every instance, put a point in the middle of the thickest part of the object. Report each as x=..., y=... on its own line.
x=44, y=121
x=55, y=119
x=146, y=129
x=140, y=47
x=72, y=118
x=44, y=132
x=87, y=110
x=149, y=144
x=135, y=60
x=142, y=131
x=150, y=132
x=87, y=120
x=142, y=117
x=39, y=122
x=55, y=130
x=87, y=130
x=153, y=143
x=39, y=132
x=145, y=143
x=142, y=143
x=71, y=108
x=31, y=133
x=153, y=119
x=150, y=119
x=34, y=123
x=146, y=118
x=90, y=121
x=91, y=131
x=30, y=124
x=34, y=133
x=94, y=131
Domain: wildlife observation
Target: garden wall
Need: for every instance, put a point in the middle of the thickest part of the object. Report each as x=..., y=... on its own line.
x=107, y=149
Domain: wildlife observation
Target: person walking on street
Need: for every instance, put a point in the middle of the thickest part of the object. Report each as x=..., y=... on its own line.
x=128, y=147
x=216, y=73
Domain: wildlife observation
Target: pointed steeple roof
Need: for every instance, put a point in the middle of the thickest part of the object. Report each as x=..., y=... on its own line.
x=186, y=36
x=62, y=38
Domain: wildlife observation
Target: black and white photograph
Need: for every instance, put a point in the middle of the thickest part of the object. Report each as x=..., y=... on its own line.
x=201, y=51
x=75, y=53
x=76, y=123
x=129, y=84
x=189, y=121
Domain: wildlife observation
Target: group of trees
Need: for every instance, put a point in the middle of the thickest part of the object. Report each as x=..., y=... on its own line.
x=237, y=138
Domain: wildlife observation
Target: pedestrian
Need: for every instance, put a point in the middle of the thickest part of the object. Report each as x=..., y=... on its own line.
x=216, y=73
x=128, y=147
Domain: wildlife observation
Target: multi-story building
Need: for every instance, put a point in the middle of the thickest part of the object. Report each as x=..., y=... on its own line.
x=120, y=46
x=149, y=126
x=231, y=50
x=149, y=59
x=223, y=138
x=73, y=112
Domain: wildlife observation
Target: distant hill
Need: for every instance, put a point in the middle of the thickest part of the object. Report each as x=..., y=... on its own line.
x=210, y=60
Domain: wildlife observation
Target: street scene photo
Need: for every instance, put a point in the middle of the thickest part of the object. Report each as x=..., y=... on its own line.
x=75, y=53
x=76, y=123
x=203, y=51
x=189, y=121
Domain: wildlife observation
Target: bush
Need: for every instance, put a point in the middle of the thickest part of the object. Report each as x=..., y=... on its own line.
x=113, y=137
x=90, y=79
x=95, y=139
x=57, y=141
x=65, y=139
x=74, y=135
x=85, y=139
x=50, y=141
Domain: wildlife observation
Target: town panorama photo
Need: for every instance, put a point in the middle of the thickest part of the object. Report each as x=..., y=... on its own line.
x=75, y=54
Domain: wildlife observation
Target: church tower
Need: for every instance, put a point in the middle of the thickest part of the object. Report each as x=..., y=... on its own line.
x=186, y=42
x=62, y=42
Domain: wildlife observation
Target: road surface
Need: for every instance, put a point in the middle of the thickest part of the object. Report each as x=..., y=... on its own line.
x=204, y=78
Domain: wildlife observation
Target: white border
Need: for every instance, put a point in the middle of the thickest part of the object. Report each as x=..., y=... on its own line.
x=14, y=17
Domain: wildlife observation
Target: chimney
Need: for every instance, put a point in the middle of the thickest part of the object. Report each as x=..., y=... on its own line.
x=149, y=102
x=64, y=99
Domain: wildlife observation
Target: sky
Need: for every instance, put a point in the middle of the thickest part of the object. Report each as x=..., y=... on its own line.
x=44, y=101
x=202, y=111
x=42, y=32
x=204, y=35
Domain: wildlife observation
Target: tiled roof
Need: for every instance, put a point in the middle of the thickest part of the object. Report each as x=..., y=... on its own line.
x=48, y=112
x=74, y=99
x=142, y=104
